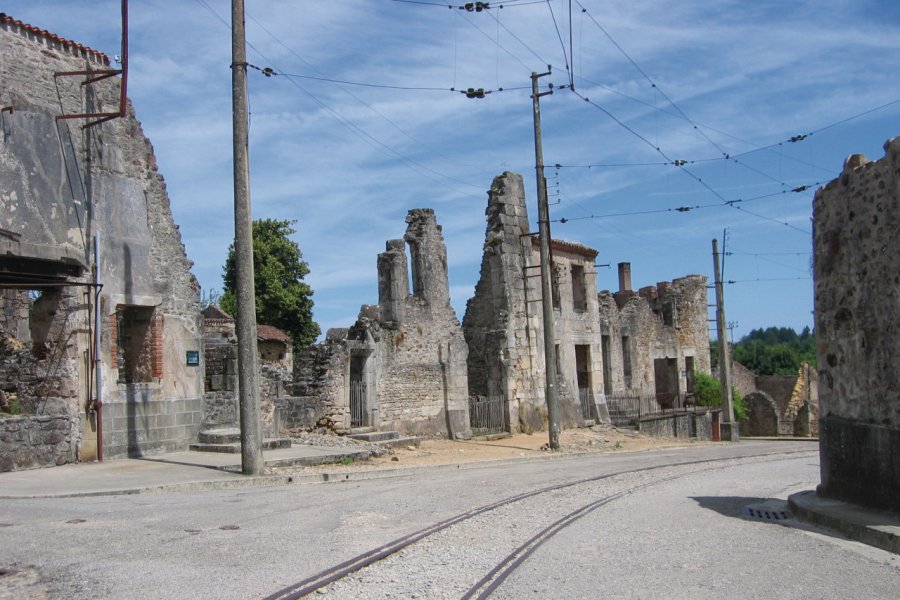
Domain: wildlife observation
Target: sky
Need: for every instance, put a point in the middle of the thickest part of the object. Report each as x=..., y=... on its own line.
x=363, y=120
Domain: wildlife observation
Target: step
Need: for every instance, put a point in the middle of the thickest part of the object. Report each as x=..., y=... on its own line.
x=374, y=436
x=398, y=442
x=235, y=447
x=225, y=435
x=357, y=430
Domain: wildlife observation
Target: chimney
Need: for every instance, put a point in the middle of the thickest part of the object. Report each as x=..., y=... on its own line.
x=624, y=277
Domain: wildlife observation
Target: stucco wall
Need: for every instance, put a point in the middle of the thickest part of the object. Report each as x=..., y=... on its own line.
x=62, y=184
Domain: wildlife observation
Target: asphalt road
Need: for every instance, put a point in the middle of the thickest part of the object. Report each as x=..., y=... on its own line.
x=675, y=532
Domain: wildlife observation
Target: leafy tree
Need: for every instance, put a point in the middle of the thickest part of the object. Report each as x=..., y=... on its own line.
x=708, y=392
x=774, y=350
x=283, y=299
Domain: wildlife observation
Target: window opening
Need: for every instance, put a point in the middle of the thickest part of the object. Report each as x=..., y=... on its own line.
x=579, y=289
x=139, y=348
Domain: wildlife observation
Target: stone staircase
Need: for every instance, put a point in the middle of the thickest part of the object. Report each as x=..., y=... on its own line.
x=390, y=439
x=229, y=441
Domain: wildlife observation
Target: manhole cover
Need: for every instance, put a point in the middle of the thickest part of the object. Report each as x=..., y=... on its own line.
x=771, y=510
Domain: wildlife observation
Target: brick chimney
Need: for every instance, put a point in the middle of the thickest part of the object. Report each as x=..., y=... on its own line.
x=624, y=277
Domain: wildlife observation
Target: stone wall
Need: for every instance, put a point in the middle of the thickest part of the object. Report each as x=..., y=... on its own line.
x=502, y=323
x=742, y=378
x=402, y=365
x=31, y=442
x=856, y=242
x=60, y=185
x=607, y=343
x=665, y=322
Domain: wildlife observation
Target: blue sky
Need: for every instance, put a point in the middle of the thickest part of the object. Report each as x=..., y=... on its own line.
x=655, y=82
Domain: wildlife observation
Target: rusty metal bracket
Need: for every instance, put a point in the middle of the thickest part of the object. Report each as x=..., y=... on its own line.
x=92, y=77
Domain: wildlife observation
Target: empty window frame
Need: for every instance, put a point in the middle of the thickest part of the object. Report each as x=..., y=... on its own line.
x=579, y=289
x=138, y=344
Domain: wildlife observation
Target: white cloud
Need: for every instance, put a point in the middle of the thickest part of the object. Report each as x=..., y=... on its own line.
x=759, y=72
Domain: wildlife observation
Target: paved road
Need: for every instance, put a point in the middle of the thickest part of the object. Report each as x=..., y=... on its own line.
x=681, y=535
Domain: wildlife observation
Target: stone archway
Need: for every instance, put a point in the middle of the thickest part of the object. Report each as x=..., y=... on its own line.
x=763, y=419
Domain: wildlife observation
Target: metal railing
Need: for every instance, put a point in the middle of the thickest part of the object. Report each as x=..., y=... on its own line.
x=359, y=415
x=627, y=409
x=487, y=415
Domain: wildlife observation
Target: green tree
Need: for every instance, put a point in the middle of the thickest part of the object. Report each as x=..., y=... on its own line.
x=708, y=392
x=776, y=350
x=283, y=299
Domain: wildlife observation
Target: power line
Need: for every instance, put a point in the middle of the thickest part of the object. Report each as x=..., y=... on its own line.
x=561, y=43
x=350, y=125
x=355, y=97
x=768, y=279
x=803, y=136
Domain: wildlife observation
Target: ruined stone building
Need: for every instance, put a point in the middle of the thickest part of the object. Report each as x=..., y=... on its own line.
x=220, y=384
x=624, y=343
x=655, y=338
x=856, y=245
x=402, y=365
x=65, y=186
x=779, y=405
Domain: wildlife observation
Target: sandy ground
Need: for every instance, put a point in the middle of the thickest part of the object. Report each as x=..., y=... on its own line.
x=429, y=452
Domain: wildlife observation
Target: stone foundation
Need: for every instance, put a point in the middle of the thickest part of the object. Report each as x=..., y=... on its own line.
x=32, y=442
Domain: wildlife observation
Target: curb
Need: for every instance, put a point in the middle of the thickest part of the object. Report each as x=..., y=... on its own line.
x=869, y=526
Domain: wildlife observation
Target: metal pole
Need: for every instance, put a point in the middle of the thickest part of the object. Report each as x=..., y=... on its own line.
x=552, y=392
x=248, y=362
x=98, y=370
x=729, y=431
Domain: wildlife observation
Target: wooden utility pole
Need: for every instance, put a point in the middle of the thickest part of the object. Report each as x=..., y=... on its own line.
x=729, y=428
x=248, y=361
x=552, y=392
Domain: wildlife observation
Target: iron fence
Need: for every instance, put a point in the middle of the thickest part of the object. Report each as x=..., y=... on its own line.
x=487, y=415
x=359, y=415
x=627, y=409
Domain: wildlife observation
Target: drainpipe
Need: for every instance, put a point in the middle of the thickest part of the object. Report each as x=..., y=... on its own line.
x=98, y=320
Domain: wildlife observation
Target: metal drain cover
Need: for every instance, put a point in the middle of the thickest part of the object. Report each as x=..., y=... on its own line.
x=770, y=510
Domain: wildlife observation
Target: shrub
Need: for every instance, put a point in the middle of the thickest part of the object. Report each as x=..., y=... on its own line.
x=708, y=392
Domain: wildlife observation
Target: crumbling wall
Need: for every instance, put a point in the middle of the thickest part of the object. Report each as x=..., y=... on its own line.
x=742, y=378
x=502, y=321
x=402, y=365
x=421, y=352
x=60, y=185
x=667, y=321
x=856, y=242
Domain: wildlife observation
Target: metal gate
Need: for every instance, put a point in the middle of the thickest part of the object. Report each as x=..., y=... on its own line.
x=586, y=396
x=487, y=415
x=359, y=414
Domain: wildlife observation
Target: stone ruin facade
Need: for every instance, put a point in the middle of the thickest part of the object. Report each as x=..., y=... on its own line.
x=402, y=365
x=777, y=405
x=655, y=338
x=639, y=343
x=856, y=242
x=62, y=186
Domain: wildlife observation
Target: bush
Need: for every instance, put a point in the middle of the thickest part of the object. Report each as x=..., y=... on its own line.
x=708, y=392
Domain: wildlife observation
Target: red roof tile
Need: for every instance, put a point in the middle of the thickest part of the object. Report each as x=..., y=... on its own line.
x=267, y=333
x=7, y=20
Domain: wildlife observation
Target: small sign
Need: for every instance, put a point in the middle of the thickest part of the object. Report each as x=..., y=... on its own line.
x=192, y=358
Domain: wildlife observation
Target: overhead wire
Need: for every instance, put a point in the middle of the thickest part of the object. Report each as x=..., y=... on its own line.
x=350, y=125
x=561, y=42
